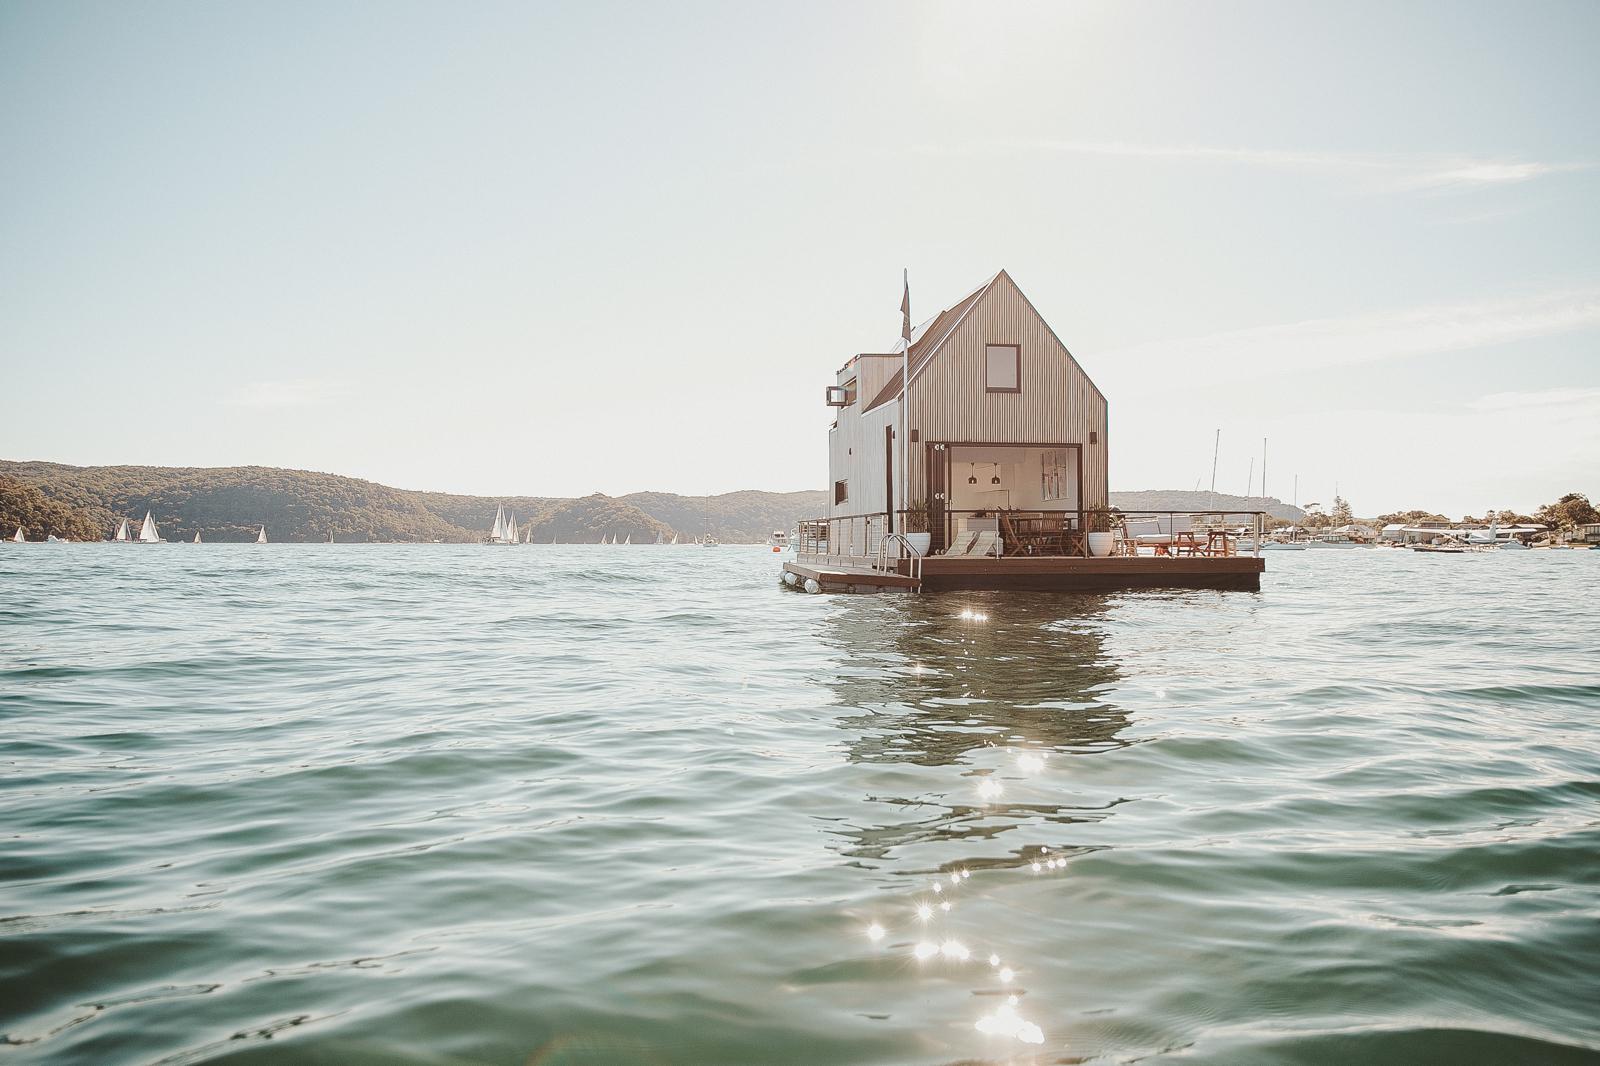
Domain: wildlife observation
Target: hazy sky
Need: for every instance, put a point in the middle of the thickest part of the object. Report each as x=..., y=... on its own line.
x=555, y=249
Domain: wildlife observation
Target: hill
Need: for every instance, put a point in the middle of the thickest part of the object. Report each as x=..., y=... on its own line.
x=736, y=517
x=1188, y=500
x=23, y=505
x=231, y=503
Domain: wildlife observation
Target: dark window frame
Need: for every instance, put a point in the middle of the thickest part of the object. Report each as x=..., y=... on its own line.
x=841, y=491
x=1016, y=350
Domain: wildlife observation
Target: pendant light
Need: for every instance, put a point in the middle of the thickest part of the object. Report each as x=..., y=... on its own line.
x=996, y=479
x=972, y=478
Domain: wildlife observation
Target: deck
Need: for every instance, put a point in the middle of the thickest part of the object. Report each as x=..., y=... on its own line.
x=1034, y=574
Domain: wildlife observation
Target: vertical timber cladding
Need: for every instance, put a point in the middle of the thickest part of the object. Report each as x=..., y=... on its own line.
x=856, y=455
x=1058, y=402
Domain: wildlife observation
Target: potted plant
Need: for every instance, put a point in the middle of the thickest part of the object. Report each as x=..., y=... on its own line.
x=1101, y=540
x=916, y=527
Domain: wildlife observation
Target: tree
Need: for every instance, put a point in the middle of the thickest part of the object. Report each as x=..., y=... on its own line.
x=22, y=505
x=1569, y=512
x=1410, y=518
x=1340, y=515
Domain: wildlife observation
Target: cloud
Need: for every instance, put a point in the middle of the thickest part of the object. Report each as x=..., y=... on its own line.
x=294, y=392
x=1399, y=334
x=1397, y=173
x=1565, y=400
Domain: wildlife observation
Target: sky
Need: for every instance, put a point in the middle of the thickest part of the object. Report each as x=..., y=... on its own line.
x=553, y=249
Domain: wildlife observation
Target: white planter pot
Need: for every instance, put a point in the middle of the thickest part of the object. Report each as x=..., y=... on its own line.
x=1100, y=544
x=920, y=542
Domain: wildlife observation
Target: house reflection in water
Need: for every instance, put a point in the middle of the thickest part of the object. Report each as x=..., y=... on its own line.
x=997, y=684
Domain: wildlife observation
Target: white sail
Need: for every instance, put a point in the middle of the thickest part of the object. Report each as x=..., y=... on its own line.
x=122, y=531
x=261, y=537
x=674, y=538
x=498, y=533
x=147, y=532
x=629, y=540
x=197, y=536
x=18, y=537
x=511, y=528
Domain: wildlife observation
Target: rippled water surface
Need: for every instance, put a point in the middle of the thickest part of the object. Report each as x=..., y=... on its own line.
x=554, y=805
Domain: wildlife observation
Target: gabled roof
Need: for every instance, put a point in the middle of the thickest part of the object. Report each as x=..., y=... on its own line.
x=926, y=340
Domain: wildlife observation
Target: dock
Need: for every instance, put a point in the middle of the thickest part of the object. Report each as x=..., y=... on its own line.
x=1030, y=574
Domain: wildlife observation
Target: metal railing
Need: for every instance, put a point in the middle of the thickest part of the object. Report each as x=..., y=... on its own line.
x=1214, y=534
x=859, y=540
x=1025, y=531
x=843, y=540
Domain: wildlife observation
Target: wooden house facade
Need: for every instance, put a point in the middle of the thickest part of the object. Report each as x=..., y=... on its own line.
x=999, y=417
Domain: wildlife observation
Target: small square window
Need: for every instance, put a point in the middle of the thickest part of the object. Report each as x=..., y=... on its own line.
x=1003, y=368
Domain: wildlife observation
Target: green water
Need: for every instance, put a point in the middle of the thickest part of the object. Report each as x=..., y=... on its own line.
x=557, y=805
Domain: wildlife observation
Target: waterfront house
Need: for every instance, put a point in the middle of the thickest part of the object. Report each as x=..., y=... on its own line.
x=992, y=452
x=1000, y=415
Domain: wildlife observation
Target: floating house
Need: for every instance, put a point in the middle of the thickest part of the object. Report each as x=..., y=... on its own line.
x=973, y=454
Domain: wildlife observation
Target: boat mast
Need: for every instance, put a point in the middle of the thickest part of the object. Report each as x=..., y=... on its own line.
x=1216, y=449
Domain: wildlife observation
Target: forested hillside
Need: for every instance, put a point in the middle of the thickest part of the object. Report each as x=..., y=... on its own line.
x=38, y=516
x=232, y=503
x=745, y=517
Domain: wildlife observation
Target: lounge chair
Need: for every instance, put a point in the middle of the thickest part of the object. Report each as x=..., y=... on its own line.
x=988, y=543
x=962, y=544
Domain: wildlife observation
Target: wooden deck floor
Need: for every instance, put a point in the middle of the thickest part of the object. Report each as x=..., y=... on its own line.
x=1042, y=574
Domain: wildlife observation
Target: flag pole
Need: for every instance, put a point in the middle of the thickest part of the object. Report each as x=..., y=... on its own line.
x=905, y=395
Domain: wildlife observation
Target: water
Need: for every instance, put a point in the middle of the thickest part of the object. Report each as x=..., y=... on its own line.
x=341, y=804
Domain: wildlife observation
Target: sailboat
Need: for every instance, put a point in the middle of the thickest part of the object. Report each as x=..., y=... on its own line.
x=121, y=535
x=674, y=539
x=504, y=531
x=261, y=536
x=18, y=538
x=629, y=540
x=196, y=537
x=511, y=528
x=148, y=534
x=659, y=538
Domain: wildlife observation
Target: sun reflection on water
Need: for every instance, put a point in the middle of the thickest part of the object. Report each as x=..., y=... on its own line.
x=955, y=698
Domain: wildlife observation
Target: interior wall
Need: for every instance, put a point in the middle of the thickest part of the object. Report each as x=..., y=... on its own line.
x=1021, y=485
